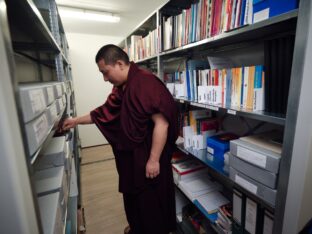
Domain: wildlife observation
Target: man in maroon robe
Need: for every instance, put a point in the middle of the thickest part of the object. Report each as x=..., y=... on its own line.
x=139, y=121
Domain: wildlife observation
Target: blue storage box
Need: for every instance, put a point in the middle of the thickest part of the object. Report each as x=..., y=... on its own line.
x=264, y=9
x=220, y=144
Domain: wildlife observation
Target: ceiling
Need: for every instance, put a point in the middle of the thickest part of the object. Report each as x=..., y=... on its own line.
x=131, y=12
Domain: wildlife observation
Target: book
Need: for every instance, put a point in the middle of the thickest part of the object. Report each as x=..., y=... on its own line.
x=178, y=156
x=198, y=185
x=265, y=9
x=186, y=169
x=219, y=144
x=211, y=202
x=271, y=140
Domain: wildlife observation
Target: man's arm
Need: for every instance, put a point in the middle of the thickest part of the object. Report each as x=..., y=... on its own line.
x=159, y=139
x=73, y=122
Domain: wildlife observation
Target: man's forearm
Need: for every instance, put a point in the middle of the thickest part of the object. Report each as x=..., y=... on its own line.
x=86, y=119
x=159, y=136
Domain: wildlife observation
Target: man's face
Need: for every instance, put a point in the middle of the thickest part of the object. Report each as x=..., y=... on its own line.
x=111, y=73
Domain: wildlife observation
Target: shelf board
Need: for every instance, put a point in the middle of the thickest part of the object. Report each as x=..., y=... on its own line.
x=144, y=60
x=148, y=24
x=28, y=19
x=278, y=24
x=258, y=115
x=207, y=159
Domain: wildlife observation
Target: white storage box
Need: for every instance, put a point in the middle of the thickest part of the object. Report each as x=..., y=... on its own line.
x=52, y=113
x=36, y=131
x=64, y=100
x=52, y=180
x=54, y=154
x=49, y=94
x=51, y=213
x=32, y=101
x=59, y=105
x=63, y=87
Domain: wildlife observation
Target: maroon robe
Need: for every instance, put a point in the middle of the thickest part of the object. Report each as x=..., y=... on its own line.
x=125, y=121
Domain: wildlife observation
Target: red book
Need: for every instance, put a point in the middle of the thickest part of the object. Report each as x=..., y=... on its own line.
x=178, y=156
x=217, y=17
x=187, y=169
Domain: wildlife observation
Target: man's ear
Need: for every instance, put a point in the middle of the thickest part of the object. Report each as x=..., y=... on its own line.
x=121, y=64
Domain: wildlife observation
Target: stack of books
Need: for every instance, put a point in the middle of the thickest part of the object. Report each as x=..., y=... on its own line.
x=223, y=224
x=198, y=186
x=187, y=169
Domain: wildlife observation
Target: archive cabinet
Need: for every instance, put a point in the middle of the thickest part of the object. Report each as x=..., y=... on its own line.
x=39, y=166
x=181, y=32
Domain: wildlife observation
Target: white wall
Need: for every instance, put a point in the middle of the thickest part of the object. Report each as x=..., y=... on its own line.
x=90, y=89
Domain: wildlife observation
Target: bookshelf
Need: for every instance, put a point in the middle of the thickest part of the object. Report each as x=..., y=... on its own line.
x=246, y=45
x=34, y=55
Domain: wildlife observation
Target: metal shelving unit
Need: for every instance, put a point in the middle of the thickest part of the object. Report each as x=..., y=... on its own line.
x=293, y=189
x=30, y=54
x=25, y=13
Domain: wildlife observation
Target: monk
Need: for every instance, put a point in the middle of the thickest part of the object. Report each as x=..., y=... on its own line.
x=139, y=120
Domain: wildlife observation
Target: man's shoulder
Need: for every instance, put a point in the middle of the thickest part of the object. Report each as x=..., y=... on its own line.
x=144, y=76
x=146, y=73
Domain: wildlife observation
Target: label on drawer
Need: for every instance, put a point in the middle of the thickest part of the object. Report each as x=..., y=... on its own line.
x=268, y=224
x=210, y=150
x=58, y=90
x=64, y=100
x=53, y=111
x=251, y=156
x=63, y=87
x=37, y=100
x=50, y=94
x=246, y=184
x=232, y=112
x=215, y=108
x=40, y=126
x=251, y=216
x=261, y=15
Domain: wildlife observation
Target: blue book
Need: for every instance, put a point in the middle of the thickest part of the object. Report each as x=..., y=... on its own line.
x=192, y=65
x=211, y=216
x=242, y=16
x=242, y=88
x=195, y=22
x=188, y=82
x=192, y=23
x=228, y=87
x=258, y=76
x=274, y=7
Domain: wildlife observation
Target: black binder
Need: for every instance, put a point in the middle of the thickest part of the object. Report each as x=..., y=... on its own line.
x=278, y=55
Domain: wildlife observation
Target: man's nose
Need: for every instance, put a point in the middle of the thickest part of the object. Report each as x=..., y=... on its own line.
x=105, y=78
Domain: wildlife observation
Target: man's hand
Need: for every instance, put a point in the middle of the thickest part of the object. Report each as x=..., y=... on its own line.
x=73, y=122
x=152, y=168
x=69, y=123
